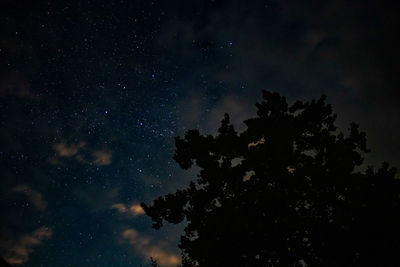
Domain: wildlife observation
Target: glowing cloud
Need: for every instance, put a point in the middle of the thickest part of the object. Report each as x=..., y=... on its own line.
x=120, y=207
x=147, y=248
x=66, y=151
x=80, y=153
x=134, y=209
x=102, y=157
x=19, y=252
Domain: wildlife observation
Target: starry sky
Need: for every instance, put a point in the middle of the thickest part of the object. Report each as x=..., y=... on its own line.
x=92, y=94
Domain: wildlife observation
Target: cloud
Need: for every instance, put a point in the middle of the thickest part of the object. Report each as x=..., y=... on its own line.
x=148, y=248
x=34, y=196
x=120, y=207
x=134, y=209
x=80, y=152
x=191, y=108
x=196, y=112
x=238, y=110
x=351, y=58
x=102, y=157
x=19, y=252
x=66, y=151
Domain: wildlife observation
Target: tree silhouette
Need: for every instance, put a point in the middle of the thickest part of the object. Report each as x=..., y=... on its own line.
x=285, y=192
x=3, y=263
x=154, y=262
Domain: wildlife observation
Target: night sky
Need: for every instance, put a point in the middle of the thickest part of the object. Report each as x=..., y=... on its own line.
x=92, y=94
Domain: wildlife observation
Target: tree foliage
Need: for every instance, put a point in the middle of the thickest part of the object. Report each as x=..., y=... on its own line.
x=153, y=262
x=285, y=192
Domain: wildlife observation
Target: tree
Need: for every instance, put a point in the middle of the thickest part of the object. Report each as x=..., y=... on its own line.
x=154, y=262
x=288, y=191
x=3, y=263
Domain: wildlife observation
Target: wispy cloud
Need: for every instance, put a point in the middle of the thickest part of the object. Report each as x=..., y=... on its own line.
x=68, y=150
x=196, y=112
x=239, y=109
x=20, y=251
x=102, y=157
x=120, y=207
x=148, y=248
x=34, y=197
x=81, y=153
x=134, y=209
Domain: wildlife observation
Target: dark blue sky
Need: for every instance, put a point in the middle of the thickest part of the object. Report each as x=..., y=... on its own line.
x=92, y=94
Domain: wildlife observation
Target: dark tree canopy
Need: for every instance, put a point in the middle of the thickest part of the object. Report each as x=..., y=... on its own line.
x=3, y=263
x=285, y=192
